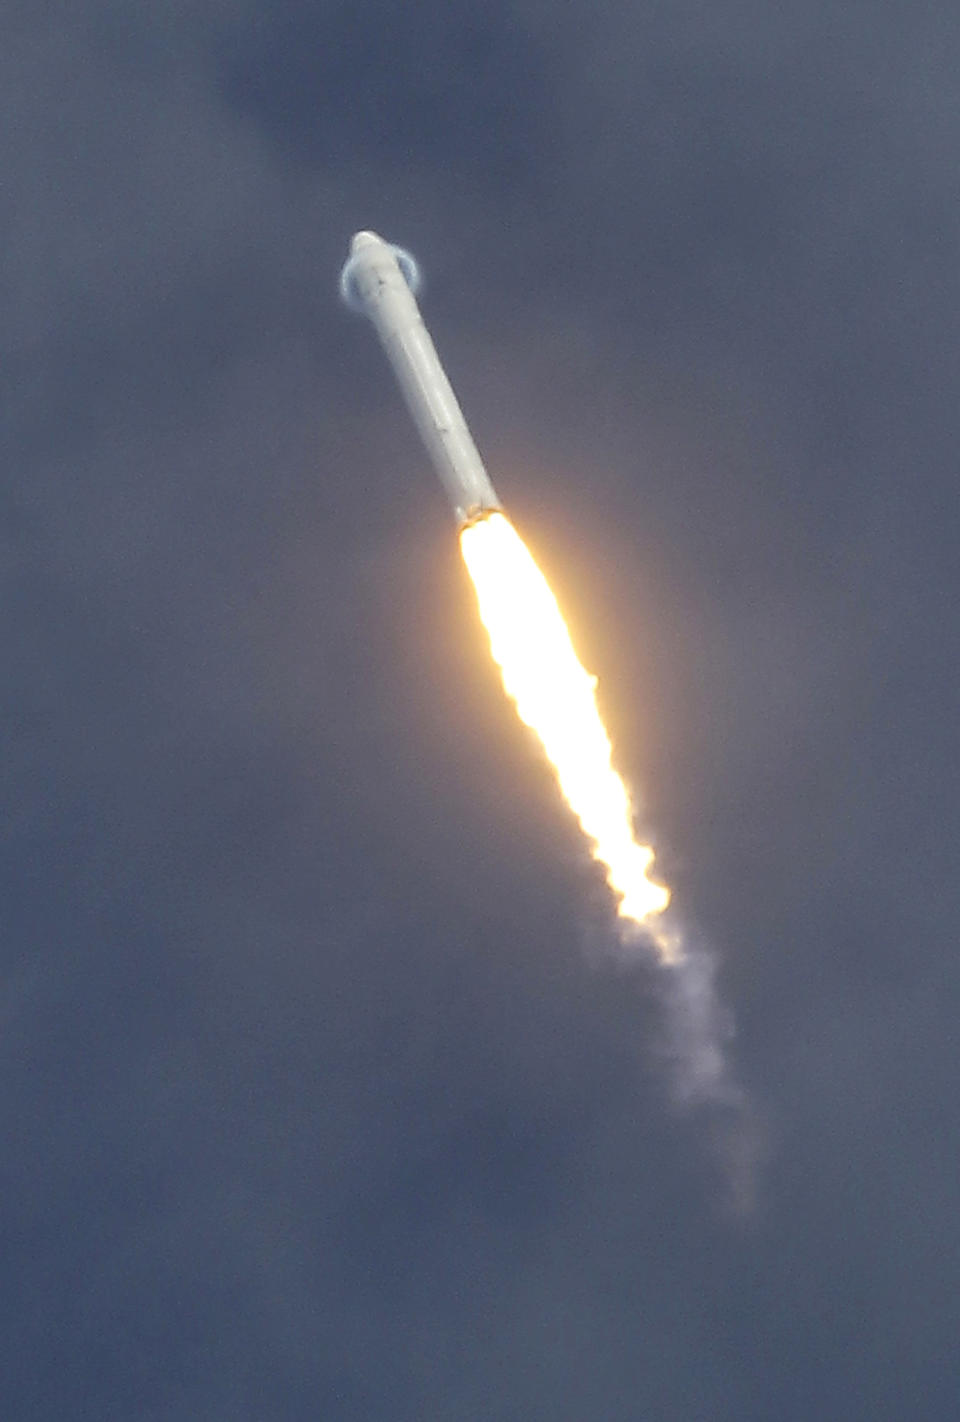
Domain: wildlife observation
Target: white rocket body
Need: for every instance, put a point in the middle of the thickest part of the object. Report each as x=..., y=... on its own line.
x=379, y=280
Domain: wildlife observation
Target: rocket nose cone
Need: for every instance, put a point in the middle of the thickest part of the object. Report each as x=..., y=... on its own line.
x=364, y=239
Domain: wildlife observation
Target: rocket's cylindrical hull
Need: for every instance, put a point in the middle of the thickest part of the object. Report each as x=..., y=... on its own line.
x=376, y=281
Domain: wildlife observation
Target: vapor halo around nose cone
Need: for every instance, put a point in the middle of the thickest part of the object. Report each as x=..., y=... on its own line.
x=379, y=280
x=365, y=244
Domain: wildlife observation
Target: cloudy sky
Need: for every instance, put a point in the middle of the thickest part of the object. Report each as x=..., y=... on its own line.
x=323, y=1093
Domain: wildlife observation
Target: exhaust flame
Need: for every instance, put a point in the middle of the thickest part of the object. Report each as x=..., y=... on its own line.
x=556, y=698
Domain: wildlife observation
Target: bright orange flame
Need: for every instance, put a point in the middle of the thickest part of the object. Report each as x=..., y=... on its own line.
x=556, y=697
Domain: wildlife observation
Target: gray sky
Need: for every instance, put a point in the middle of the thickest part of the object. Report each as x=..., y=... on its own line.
x=322, y=1097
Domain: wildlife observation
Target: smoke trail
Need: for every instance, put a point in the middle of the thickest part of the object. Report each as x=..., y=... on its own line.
x=556, y=697
x=696, y=1029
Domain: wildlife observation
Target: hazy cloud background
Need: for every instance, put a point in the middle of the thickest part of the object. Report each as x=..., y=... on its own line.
x=317, y=1100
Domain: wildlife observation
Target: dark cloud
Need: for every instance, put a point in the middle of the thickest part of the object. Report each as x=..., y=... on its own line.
x=320, y=1098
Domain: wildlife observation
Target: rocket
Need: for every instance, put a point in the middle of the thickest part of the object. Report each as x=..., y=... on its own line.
x=380, y=281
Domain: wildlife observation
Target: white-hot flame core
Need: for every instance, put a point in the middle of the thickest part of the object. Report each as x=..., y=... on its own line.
x=556, y=698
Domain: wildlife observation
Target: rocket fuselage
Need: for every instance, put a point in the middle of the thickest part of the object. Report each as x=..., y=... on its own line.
x=377, y=281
